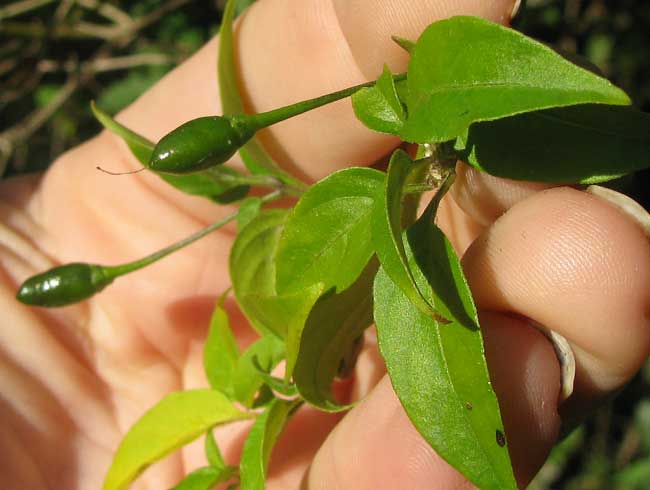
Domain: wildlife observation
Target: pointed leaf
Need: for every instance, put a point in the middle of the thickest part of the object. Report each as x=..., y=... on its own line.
x=176, y=420
x=584, y=144
x=141, y=147
x=379, y=107
x=327, y=236
x=266, y=352
x=220, y=353
x=221, y=184
x=260, y=441
x=406, y=44
x=332, y=328
x=439, y=371
x=465, y=69
x=387, y=228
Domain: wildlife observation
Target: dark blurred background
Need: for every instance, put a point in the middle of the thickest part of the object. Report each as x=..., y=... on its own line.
x=58, y=55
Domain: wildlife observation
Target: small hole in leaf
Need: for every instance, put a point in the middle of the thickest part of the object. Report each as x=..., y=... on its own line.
x=501, y=438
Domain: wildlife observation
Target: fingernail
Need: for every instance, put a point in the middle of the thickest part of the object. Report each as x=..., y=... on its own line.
x=625, y=203
x=565, y=357
x=515, y=9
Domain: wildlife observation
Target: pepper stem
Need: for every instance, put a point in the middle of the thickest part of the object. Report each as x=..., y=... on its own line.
x=119, y=270
x=264, y=119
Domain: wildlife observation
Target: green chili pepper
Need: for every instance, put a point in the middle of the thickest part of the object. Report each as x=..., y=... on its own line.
x=205, y=142
x=64, y=285
x=208, y=141
x=70, y=283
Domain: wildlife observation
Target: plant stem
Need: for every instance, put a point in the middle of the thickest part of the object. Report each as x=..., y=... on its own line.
x=269, y=118
x=432, y=208
x=119, y=270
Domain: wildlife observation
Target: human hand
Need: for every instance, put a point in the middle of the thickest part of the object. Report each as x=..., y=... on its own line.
x=75, y=379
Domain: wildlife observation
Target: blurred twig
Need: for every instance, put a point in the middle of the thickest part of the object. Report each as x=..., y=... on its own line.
x=25, y=128
x=21, y=7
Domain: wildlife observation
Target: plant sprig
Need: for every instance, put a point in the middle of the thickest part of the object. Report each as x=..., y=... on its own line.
x=352, y=251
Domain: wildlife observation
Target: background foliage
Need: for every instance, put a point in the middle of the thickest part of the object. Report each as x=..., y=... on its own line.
x=57, y=55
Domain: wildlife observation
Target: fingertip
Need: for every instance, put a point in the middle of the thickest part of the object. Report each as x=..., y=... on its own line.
x=577, y=265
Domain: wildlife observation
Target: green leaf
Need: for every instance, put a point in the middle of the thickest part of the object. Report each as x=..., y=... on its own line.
x=202, y=479
x=256, y=159
x=175, y=421
x=141, y=147
x=288, y=313
x=406, y=44
x=252, y=266
x=327, y=236
x=379, y=107
x=465, y=69
x=265, y=352
x=583, y=144
x=260, y=441
x=387, y=228
x=248, y=209
x=220, y=353
x=332, y=328
x=212, y=452
x=439, y=371
x=220, y=184
x=253, y=271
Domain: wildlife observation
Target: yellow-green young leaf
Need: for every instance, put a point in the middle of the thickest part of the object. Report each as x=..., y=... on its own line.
x=176, y=420
x=327, y=236
x=265, y=353
x=256, y=159
x=379, y=107
x=387, y=228
x=438, y=371
x=332, y=328
x=583, y=144
x=220, y=353
x=465, y=69
x=220, y=184
x=260, y=441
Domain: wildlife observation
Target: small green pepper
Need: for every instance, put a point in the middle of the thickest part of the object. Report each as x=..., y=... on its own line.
x=208, y=141
x=64, y=285
x=199, y=144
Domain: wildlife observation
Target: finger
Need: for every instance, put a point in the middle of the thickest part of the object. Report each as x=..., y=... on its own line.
x=579, y=266
x=377, y=447
x=290, y=51
x=483, y=197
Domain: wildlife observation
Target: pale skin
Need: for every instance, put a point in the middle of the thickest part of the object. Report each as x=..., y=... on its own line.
x=73, y=380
